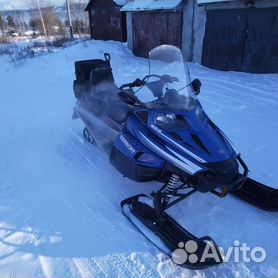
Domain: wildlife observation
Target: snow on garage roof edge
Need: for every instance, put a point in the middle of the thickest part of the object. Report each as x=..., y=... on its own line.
x=203, y=2
x=120, y=2
x=147, y=5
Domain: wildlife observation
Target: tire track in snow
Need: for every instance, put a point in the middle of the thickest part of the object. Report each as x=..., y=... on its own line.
x=91, y=212
x=46, y=266
x=227, y=84
x=228, y=93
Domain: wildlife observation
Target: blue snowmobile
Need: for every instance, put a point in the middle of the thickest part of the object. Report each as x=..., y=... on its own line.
x=155, y=129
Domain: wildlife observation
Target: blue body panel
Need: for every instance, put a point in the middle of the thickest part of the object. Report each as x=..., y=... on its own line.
x=218, y=148
x=190, y=149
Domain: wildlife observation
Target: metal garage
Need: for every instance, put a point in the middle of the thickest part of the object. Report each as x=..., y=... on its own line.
x=241, y=40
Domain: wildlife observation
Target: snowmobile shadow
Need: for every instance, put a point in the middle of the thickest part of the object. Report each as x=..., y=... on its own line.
x=67, y=243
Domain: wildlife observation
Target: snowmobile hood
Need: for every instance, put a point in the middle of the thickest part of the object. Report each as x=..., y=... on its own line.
x=192, y=134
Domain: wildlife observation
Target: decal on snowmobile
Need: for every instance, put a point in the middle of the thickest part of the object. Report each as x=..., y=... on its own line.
x=195, y=167
x=178, y=145
x=185, y=164
x=127, y=144
x=156, y=128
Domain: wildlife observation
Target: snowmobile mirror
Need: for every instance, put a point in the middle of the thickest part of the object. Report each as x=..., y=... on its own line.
x=107, y=57
x=196, y=86
x=127, y=98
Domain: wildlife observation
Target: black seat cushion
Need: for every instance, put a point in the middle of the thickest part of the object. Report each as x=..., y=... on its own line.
x=101, y=74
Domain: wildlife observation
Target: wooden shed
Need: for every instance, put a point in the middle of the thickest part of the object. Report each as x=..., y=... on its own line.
x=107, y=22
x=154, y=23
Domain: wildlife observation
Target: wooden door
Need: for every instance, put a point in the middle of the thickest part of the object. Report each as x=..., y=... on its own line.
x=151, y=29
x=241, y=40
x=260, y=52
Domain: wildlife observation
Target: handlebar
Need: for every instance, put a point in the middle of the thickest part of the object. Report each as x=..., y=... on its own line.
x=139, y=83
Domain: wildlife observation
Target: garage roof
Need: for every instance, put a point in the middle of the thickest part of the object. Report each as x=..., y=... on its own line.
x=203, y=2
x=120, y=2
x=149, y=5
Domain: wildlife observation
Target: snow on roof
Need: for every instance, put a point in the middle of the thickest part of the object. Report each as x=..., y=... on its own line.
x=202, y=2
x=120, y=2
x=145, y=5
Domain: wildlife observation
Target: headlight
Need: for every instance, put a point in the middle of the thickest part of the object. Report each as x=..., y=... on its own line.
x=163, y=119
x=171, y=122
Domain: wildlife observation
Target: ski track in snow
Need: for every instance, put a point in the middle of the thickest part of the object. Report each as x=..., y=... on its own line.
x=59, y=196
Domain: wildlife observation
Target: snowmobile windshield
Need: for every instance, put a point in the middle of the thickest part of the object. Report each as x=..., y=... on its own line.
x=168, y=85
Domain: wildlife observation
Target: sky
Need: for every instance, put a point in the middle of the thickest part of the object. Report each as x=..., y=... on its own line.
x=23, y=4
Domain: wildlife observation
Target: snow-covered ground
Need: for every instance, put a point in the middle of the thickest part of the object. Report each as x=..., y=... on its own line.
x=59, y=197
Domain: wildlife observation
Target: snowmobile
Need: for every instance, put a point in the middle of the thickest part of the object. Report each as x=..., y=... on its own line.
x=155, y=129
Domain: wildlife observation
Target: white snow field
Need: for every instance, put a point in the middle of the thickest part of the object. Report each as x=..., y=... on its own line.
x=59, y=197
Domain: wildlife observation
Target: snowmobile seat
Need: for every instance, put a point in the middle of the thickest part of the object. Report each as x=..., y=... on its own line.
x=88, y=73
x=105, y=90
x=101, y=74
x=96, y=88
x=83, y=68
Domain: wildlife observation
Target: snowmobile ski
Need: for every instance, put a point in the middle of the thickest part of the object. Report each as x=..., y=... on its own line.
x=258, y=194
x=167, y=234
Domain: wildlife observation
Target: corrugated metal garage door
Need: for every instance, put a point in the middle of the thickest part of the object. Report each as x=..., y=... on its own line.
x=151, y=29
x=242, y=40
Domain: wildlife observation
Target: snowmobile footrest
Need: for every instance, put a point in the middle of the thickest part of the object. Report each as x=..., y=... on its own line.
x=169, y=237
x=259, y=195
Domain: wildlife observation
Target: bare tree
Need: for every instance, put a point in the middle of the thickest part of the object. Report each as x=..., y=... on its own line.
x=50, y=24
x=52, y=21
x=37, y=12
x=80, y=18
